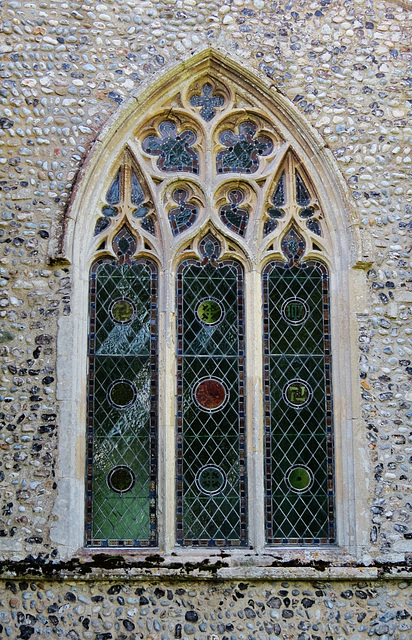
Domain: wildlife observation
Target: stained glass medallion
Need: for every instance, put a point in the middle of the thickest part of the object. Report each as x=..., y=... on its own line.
x=211, y=479
x=242, y=149
x=122, y=413
x=121, y=479
x=174, y=149
x=122, y=310
x=298, y=403
x=210, y=394
x=210, y=311
x=295, y=310
x=211, y=489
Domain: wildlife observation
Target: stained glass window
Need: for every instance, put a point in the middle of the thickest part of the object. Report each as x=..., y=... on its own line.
x=298, y=401
x=122, y=408
x=175, y=235
x=211, y=491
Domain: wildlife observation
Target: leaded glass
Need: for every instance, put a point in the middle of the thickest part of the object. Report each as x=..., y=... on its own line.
x=207, y=102
x=211, y=491
x=242, y=150
x=314, y=226
x=293, y=246
x=302, y=194
x=174, y=149
x=109, y=210
x=184, y=215
x=278, y=200
x=121, y=469
x=233, y=216
x=298, y=411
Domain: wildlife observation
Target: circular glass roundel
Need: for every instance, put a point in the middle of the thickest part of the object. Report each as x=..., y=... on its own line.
x=122, y=310
x=209, y=311
x=295, y=310
x=299, y=478
x=121, y=394
x=297, y=393
x=121, y=479
x=210, y=479
x=210, y=394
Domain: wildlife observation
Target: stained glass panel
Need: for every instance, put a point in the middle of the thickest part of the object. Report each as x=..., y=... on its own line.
x=298, y=411
x=184, y=215
x=121, y=470
x=232, y=215
x=207, y=102
x=278, y=200
x=302, y=194
x=242, y=149
x=173, y=148
x=211, y=492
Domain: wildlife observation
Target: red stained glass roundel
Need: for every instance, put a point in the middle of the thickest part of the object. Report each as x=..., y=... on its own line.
x=210, y=394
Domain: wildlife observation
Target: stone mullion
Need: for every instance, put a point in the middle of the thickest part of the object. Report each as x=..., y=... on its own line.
x=254, y=408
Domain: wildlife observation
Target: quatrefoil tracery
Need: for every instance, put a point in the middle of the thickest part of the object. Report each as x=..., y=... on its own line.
x=177, y=142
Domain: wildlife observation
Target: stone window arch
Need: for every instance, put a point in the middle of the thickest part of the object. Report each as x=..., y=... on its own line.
x=217, y=169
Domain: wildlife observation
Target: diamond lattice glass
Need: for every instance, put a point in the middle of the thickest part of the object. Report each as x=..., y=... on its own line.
x=121, y=490
x=298, y=412
x=211, y=494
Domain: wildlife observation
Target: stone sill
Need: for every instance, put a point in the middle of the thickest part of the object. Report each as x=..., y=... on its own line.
x=305, y=564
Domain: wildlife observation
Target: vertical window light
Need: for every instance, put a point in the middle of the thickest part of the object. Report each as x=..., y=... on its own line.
x=121, y=446
x=211, y=493
x=298, y=412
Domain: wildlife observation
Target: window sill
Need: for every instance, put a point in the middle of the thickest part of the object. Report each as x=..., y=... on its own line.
x=327, y=564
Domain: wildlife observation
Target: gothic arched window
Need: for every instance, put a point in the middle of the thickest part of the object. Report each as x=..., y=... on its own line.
x=208, y=200
x=210, y=244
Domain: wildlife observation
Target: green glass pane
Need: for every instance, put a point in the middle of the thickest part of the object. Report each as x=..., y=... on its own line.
x=122, y=409
x=299, y=455
x=211, y=489
x=123, y=325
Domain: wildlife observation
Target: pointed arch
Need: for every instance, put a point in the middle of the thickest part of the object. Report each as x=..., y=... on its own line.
x=208, y=102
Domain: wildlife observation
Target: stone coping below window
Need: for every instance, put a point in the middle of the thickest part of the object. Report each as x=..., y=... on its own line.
x=271, y=565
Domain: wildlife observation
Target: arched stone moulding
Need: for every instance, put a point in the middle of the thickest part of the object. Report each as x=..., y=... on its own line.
x=77, y=246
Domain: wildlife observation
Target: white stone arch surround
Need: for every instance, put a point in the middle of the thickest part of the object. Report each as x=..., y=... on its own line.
x=345, y=260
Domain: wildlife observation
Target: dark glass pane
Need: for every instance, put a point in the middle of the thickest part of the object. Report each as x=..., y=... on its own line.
x=110, y=212
x=279, y=195
x=101, y=225
x=242, y=149
x=302, y=194
x=211, y=502
x=121, y=489
x=137, y=194
x=298, y=411
x=113, y=194
x=314, y=226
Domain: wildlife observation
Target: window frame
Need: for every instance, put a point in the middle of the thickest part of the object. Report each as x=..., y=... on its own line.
x=347, y=290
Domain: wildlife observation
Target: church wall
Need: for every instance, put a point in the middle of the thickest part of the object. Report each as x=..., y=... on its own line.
x=67, y=70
